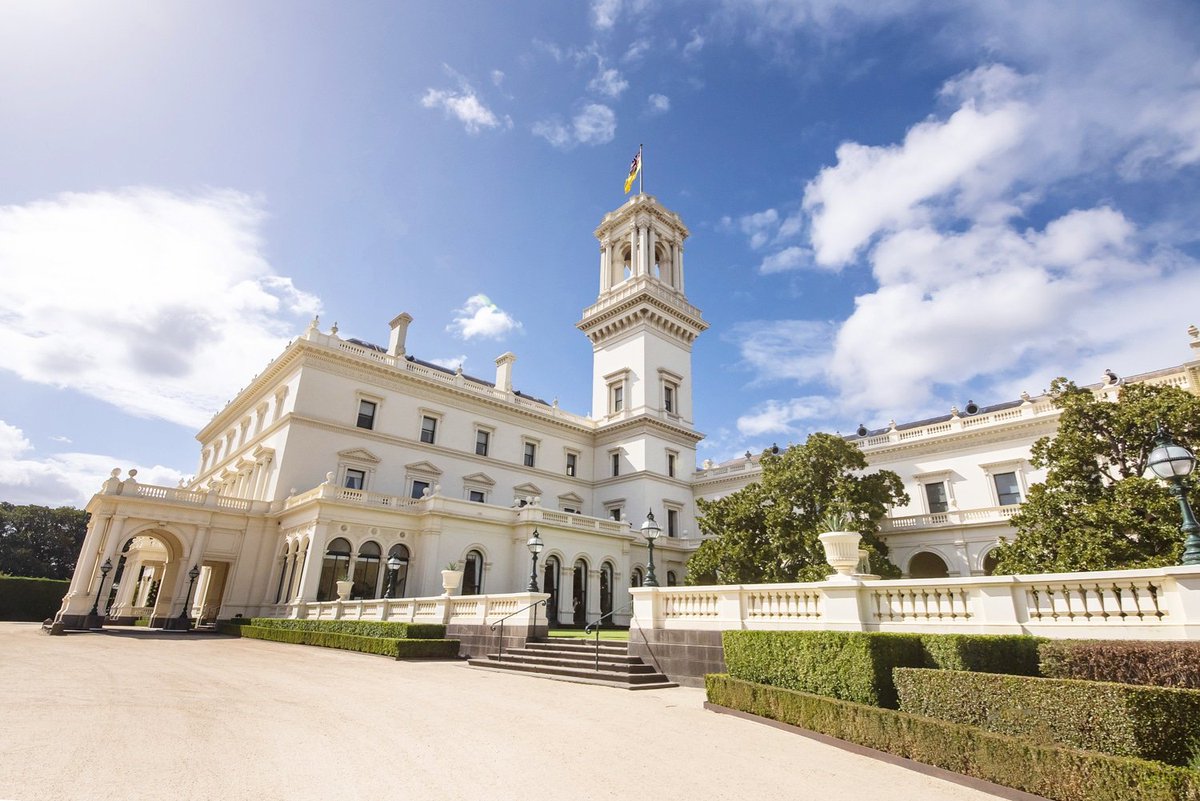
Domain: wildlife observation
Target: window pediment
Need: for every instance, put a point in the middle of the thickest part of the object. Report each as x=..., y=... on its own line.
x=570, y=498
x=359, y=455
x=480, y=478
x=527, y=489
x=423, y=467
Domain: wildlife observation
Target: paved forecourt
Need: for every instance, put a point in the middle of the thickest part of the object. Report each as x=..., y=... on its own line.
x=134, y=714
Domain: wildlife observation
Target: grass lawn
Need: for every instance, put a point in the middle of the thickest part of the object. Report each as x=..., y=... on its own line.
x=605, y=634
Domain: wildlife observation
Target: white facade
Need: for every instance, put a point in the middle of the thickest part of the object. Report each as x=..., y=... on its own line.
x=341, y=453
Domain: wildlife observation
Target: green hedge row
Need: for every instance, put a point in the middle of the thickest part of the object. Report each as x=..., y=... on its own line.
x=360, y=628
x=32, y=599
x=857, y=665
x=394, y=647
x=1118, y=719
x=1050, y=771
x=1158, y=663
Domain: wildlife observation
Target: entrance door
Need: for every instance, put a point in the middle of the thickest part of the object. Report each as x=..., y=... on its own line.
x=606, y=595
x=579, y=593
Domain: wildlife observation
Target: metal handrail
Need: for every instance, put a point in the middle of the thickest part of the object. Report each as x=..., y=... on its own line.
x=500, y=623
x=595, y=626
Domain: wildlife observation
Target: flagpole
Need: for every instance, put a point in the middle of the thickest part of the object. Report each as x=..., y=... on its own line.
x=642, y=171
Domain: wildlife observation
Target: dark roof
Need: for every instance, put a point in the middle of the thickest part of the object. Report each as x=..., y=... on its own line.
x=446, y=370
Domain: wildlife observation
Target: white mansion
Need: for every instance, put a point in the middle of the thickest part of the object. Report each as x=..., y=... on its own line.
x=342, y=456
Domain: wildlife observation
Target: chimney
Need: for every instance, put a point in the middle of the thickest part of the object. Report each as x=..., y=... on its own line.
x=504, y=372
x=399, y=334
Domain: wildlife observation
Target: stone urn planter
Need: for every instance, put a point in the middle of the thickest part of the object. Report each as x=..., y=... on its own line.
x=841, y=552
x=343, y=589
x=450, y=580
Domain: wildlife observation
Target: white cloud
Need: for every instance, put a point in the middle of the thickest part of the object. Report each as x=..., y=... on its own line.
x=605, y=13
x=790, y=258
x=760, y=227
x=61, y=479
x=793, y=417
x=497, y=77
x=152, y=301
x=596, y=124
x=695, y=44
x=479, y=317
x=795, y=350
x=636, y=51
x=658, y=104
x=62, y=439
x=466, y=107
x=451, y=362
x=609, y=83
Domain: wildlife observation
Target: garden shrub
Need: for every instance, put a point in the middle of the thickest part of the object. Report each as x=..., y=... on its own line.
x=857, y=665
x=850, y=665
x=1155, y=662
x=1046, y=770
x=360, y=628
x=397, y=648
x=1118, y=719
x=1014, y=654
x=33, y=599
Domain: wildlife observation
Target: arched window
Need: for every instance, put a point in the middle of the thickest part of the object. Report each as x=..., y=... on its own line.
x=606, y=588
x=473, y=573
x=283, y=571
x=989, y=563
x=366, y=571
x=550, y=587
x=671, y=582
x=397, y=579
x=927, y=565
x=579, y=593
x=635, y=578
x=333, y=568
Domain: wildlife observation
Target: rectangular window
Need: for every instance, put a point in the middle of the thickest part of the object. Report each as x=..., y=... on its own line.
x=936, y=495
x=475, y=495
x=669, y=398
x=618, y=398
x=671, y=465
x=428, y=429
x=418, y=489
x=355, y=479
x=616, y=464
x=1007, y=490
x=570, y=511
x=571, y=460
x=481, y=442
x=366, y=414
x=672, y=522
x=530, y=453
x=615, y=514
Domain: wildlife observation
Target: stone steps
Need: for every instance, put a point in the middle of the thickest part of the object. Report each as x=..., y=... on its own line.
x=565, y=659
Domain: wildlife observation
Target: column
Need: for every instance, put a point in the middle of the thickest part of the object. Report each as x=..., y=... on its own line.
x=115, y=536
x=633, y=250
x=679, y=266
x=313, y=561
x=86, y=566
x=643, y=258
x=650, y=250
x=605, y=268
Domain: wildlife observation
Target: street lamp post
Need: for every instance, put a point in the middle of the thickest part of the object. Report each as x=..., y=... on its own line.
x=104, y=568
x=393, y=566
x=535, y=546
x=650, y=530
x=187, y=601
x=1173, y=462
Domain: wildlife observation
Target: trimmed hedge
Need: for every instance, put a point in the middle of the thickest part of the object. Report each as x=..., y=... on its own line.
x=1157, y=663
x=857, y=665
x=32, y=599
x=1118, y=719
x=1050, y=771
x=359, y=628
x=395, y=647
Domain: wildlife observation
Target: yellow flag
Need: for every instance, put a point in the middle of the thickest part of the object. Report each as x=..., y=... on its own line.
x=634, y=169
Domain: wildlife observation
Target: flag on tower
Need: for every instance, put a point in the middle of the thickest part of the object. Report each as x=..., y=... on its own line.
x=634, y=169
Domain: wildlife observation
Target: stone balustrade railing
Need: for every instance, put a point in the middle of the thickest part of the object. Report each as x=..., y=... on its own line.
x=990, y=514
x=1160, y=603
x=474, y=610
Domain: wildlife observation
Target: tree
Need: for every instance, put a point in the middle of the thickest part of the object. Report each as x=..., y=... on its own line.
x=768, y=530
x=1096, y=511
x=39, y=541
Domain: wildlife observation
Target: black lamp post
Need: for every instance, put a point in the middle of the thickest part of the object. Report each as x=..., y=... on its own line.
x=104, y=568
x=650, y=531
x=535, y=546
x=393, y=566
x=1173, y=462
x=187, y=601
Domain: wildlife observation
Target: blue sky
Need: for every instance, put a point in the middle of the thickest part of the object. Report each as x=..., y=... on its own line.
x=895, y=206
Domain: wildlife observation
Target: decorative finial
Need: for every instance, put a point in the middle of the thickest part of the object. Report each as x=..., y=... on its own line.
x=334, y=330
x=316, y=321
x=1025, y=396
